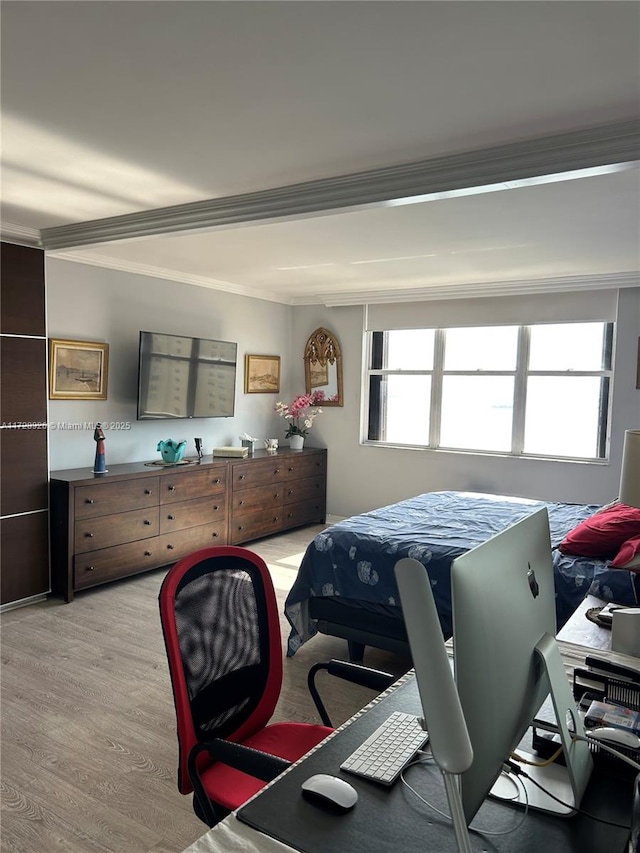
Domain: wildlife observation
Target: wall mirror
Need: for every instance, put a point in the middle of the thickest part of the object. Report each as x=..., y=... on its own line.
x=323, y=367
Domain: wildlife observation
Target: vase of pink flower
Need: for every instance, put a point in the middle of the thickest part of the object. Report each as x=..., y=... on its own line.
x=300, y=414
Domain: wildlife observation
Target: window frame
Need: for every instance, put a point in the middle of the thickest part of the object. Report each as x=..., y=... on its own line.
x=375, y=345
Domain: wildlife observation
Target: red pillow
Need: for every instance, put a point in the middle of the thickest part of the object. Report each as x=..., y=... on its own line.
x=628, y=557
x=603, y=533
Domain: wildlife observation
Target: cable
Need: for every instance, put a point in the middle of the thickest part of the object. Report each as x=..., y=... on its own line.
x=549, y=760
x=446, y=816
x=518, y=771
x=600, y=743
x=607, y=748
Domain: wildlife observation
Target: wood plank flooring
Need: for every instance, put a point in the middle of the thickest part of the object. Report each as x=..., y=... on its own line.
x=89, y=752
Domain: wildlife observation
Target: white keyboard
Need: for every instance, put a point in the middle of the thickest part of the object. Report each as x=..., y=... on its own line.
x=385, y=753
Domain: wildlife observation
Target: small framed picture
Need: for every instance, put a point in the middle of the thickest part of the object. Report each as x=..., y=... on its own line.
x=78, y=370
x=262, y=374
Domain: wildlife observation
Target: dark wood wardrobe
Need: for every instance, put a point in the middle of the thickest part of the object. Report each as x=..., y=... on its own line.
x=24, y=522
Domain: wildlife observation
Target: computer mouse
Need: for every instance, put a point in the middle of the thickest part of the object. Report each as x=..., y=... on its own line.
x=331, y=791
x=620, y=737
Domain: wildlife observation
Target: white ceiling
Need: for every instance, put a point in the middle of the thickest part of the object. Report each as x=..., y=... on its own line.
x=114, y=108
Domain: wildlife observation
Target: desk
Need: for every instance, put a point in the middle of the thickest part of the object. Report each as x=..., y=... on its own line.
x=583, y=631
x=390, y=819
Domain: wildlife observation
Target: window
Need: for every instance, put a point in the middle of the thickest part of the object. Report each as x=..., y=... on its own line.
x=539, y=390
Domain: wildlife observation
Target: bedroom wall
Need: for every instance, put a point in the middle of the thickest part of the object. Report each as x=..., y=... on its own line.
x=90, y=303
x=86, y=302
x=363, y=477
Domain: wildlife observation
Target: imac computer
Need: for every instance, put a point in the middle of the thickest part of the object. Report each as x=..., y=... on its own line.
x=506, y=663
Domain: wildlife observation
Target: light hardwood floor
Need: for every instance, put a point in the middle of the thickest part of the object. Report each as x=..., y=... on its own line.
x=88, y=751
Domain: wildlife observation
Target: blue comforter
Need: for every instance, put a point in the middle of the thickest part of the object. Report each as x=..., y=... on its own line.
x=354, y=559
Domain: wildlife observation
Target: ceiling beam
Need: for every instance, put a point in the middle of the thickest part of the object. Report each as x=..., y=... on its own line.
x=515, y=161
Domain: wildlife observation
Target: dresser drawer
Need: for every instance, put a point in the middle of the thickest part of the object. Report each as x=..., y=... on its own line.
x=108, y=498
x=119, y=561
x=91, y=534
x=257, y=472
x=298, y=467
x=254, y=525
x=305, y=512
x=177, y=516
x=252, y=499
x=182, y=485
x=173, y=546
x=301, y=490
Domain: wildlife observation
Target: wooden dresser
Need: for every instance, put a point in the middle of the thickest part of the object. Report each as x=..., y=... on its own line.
x=137, y=517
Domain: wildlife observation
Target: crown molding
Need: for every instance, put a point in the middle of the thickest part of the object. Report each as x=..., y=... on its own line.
x=515, y=161
x=475, y=289
x=94, y=259
x=10, y=233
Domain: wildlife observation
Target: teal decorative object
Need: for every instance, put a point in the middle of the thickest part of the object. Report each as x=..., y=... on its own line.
x=172, y=451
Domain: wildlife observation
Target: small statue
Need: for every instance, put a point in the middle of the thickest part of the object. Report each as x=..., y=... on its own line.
x=99, y=465
x=199, y=450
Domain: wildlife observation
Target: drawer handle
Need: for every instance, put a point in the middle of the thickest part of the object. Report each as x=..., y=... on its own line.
x=148, y=492
x=216, y=508
x=91, y=568
x=242, y=476
x=171, y=517
x=89, y=535
x=276, y=471
x=147, y=522
x=172, y=488
x=289, y=493
x=217, y=481
x=241, y=527
x=291, y=469
x=240, y=503
x=214, y=535
x=89, y=501
x=170, y=547
x=147, y=553
x=276, y=518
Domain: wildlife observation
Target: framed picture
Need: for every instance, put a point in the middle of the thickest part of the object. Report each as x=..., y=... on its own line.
x=262, y=374
x=78, y=370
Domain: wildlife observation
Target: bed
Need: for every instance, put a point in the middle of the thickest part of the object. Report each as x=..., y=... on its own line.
x=345, y=584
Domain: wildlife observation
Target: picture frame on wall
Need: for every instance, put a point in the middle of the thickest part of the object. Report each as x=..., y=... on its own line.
x=262, y=374
x=78, y=370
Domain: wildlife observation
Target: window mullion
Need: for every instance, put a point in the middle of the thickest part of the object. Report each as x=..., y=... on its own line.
x=520, y=391
x=436, y=388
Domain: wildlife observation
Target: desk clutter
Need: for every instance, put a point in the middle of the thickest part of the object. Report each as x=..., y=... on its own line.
x=608, y=694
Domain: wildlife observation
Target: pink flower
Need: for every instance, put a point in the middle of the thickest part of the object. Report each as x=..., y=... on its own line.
x=302, y=408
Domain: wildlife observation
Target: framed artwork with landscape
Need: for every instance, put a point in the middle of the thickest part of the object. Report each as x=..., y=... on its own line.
x=78, y=370
x=262, y=374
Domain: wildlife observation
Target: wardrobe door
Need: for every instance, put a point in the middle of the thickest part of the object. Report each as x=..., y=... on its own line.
x=24, y=506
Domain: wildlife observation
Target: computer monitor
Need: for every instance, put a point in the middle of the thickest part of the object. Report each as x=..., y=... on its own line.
x=507, y=662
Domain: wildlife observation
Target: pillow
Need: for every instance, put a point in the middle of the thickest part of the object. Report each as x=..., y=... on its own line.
x=603, y=533
x=628, y=557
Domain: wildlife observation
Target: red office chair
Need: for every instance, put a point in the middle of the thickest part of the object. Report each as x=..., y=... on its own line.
x=222, y=634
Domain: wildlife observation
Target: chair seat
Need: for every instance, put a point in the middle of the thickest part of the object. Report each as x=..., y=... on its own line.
x=231, y=788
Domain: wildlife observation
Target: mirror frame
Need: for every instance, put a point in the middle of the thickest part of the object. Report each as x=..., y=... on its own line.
x=323, y=347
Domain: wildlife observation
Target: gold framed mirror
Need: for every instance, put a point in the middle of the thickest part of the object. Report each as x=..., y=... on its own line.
x=323, y=367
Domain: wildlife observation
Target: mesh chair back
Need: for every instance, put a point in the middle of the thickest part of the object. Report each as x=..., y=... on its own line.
x=222, y=633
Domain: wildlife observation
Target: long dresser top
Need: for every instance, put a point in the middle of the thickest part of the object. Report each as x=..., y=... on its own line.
x=145, y=469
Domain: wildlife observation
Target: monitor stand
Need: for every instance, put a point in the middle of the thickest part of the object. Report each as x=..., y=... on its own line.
x=566, y=783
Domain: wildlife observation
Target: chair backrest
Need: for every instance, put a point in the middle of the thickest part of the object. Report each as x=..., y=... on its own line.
x=221, y=630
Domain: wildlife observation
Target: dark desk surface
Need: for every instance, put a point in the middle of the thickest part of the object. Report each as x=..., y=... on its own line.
x=390, y=819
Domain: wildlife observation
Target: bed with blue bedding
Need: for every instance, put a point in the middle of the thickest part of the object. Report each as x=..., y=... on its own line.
x=346, y=587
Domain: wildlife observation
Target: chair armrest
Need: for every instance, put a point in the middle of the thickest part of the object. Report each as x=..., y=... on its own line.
x=353, y=672
x=260, y=765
